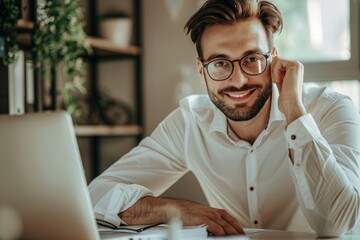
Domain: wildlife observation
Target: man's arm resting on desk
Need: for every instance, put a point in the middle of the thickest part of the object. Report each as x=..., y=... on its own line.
x=149, y=210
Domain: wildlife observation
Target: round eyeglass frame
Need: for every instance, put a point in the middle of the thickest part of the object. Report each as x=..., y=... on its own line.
x=266, y=55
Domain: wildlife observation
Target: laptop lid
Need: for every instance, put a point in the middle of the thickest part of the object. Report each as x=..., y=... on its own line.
x=42, y=178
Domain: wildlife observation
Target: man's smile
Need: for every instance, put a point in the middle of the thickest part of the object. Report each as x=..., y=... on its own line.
x=240, y=96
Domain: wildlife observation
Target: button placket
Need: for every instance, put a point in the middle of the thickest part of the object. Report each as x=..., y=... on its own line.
x=251, y=179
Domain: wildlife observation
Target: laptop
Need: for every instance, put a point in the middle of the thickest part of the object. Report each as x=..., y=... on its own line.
x=43, y=190
x=42, y=179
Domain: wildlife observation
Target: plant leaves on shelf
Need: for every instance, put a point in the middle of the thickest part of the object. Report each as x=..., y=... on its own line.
x=60, y=41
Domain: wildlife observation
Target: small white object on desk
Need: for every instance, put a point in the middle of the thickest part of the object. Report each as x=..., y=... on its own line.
x=175, y=224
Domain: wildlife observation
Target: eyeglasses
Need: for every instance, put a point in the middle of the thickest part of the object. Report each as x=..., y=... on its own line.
x=252, y=64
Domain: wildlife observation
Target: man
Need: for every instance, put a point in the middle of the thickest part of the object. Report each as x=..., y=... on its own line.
x=267, y=152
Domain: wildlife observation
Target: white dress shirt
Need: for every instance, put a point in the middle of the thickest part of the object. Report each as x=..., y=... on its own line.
x=258, y=184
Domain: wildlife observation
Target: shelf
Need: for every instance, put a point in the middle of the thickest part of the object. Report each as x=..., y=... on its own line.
x=23, y=37
x=23, y=24
x=105, y=130
x=106, y=47
x=102, y=47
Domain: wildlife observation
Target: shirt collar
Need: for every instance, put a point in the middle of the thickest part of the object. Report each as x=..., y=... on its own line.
x=219, y=122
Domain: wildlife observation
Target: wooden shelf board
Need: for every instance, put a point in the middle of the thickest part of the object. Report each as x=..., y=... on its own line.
x=103, y=46
x=105, y=130
x=25, y=24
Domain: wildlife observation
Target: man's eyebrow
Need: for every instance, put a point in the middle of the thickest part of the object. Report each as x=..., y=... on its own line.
x=251, y=51
x=214, y=56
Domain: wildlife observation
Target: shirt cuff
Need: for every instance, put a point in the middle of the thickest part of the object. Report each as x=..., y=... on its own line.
x=117, y=200
x=302, y=131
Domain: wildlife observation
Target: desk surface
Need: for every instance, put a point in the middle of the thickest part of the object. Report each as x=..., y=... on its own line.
x=278, y=234
x=251, y=234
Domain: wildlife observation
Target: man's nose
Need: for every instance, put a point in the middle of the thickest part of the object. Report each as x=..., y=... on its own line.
x=238, y=76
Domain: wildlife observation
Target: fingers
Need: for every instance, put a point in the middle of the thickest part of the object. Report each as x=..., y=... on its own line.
x=286, y=73
x=218, y=221
x=277, y=74
x=224, y=224
x=234, y=223
x=222, y=228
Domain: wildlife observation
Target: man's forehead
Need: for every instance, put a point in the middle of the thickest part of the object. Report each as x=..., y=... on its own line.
x=234, y=39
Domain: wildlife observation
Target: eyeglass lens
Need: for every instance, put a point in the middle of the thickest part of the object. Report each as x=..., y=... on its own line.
x=221, y=69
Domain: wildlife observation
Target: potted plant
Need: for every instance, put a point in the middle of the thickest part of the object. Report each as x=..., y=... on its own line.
x=116, y=27
x=60, y=41
x=9, y=14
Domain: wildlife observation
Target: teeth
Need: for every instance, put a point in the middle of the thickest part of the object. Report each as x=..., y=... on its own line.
x=239, y=95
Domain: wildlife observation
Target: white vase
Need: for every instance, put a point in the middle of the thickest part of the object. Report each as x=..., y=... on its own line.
x=117, y=30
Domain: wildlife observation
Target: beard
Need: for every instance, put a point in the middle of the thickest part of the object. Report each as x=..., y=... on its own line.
x=240, y=112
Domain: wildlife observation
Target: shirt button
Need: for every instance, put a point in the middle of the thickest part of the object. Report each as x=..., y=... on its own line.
x=293, y=137
x=251, y=150
x=251, y=188
x=256, y=222
x=298, y=164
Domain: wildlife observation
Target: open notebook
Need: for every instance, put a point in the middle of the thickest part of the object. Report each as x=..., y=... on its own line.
x=160, y=230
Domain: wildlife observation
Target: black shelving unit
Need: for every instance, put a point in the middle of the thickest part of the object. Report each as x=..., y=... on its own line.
x=106, y=51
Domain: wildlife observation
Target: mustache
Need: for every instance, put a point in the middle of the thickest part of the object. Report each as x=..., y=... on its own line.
x=235, y=89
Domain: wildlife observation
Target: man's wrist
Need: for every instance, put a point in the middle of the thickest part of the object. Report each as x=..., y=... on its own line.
x=293, y=112
x=147, y=210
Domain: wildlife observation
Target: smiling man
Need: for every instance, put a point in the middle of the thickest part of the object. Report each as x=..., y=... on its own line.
x=267, y=152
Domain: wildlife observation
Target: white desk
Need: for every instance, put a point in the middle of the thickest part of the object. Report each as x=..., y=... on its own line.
x=251, y=234
x=288, y=235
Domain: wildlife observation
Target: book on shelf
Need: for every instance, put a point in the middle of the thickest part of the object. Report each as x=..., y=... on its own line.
x=16, y=85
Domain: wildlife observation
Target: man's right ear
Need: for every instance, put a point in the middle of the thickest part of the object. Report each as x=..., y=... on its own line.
x=201, y=71
x=200, y=67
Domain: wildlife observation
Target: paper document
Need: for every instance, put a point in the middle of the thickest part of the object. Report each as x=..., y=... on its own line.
x=189, y=232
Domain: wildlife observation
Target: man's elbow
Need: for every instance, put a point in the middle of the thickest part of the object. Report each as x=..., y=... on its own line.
x=330, y=230
x=341, y=224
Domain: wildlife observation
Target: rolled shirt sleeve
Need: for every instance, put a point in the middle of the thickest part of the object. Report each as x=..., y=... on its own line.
x=118, y=198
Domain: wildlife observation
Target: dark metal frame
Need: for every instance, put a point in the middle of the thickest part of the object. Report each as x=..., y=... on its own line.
x=93, y=78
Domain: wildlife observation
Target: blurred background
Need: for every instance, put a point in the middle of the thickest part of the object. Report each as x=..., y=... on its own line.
x=143, y=64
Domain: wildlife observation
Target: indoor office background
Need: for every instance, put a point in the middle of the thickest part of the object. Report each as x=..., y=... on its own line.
x=322, y=34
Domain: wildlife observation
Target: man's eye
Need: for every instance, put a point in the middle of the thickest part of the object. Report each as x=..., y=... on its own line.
x=252, y=59
x=220, y=64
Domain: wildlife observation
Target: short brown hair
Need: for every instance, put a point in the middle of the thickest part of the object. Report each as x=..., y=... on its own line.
x=231, y=11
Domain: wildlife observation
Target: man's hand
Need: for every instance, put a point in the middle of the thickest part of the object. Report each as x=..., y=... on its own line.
x=289, y=77
x=151, y=210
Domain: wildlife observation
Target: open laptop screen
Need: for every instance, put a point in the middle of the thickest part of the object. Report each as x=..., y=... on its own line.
x=42, y=178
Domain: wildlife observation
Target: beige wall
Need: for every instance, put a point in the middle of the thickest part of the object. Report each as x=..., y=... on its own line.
x=167, y=50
